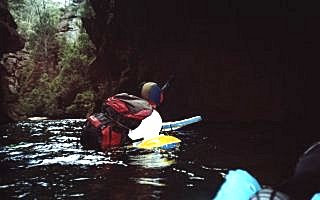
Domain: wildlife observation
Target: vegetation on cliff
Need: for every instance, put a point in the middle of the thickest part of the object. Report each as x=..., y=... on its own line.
x=54, y=82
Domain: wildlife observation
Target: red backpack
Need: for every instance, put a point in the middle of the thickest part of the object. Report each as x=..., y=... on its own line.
x=127, y=110
x=110, y=128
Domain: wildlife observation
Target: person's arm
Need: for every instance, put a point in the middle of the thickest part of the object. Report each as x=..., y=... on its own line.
x=149, y=127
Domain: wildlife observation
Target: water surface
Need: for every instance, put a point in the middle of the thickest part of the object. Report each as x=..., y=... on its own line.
x=44, y=160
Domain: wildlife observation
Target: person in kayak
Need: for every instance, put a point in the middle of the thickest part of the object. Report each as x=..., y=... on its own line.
x=302, y=185
x=124, y=118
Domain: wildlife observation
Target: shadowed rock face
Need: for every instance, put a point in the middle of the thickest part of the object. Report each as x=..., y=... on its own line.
x=230, y=62
x=10, y=41
x=233, y=62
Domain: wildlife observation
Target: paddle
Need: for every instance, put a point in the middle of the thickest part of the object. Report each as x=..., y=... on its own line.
x=171, y=126
x=165, y=87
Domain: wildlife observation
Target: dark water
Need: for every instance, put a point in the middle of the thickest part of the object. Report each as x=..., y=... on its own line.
x=43, y=160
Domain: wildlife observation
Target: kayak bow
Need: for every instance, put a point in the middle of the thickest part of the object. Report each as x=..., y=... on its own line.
x=161, y=141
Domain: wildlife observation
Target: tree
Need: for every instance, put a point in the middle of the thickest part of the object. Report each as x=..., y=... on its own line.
x=55, y=79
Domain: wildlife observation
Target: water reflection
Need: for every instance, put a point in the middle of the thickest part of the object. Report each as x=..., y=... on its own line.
x=34, y=154
x=44, y=160
x=61, y=146
x=153, y=159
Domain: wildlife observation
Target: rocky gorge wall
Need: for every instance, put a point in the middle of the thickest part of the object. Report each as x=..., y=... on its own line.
x=228, y=67
x=10, y=41
x=234, y=62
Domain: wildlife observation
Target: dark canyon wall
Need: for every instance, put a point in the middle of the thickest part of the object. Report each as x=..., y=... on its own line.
x=230, y=62
x=10, y=41
x=233, y=61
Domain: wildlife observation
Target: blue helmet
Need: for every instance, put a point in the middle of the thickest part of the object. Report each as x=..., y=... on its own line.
x=151, y=92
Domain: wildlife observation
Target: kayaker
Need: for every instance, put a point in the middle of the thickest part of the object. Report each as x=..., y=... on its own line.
x=303, y=185
x=124, y=118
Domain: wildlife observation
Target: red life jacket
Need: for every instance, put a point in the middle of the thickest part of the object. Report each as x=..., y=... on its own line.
x=110, y=128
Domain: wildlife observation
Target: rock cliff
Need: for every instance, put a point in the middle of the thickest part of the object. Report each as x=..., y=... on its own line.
x=231, y=62
x=10, y=41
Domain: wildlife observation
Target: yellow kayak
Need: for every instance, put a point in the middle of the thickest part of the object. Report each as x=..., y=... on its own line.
x=161, y=141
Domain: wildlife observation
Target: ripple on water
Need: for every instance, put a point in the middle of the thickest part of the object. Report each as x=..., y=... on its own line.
x=159, y=182
x=46, y=154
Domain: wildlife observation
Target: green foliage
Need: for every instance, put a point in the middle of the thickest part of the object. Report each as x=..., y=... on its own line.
x=42, y=41
x=16, y=6
x=38, y=98
x=72, y=78
x=26, y=71
x=75, y=58
x=55, y=79
x=83, y=101
x=27, y=13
